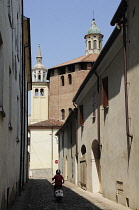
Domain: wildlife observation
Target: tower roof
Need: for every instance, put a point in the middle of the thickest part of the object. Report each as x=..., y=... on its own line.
x=39, y=60
x=93, y=29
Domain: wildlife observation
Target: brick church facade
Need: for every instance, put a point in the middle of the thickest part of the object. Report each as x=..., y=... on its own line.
x=66, y=78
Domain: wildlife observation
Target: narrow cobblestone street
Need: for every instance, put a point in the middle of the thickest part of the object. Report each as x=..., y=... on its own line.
x=38, y=195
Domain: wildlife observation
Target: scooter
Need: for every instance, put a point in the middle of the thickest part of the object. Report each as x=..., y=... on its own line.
x=58, y=193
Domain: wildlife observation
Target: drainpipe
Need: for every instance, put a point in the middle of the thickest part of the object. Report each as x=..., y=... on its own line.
x=129, y=135
x=24, y=118
x=52, y=152
x=76, y=113
x=27, y=162
x=20, y=172
x=98, y=111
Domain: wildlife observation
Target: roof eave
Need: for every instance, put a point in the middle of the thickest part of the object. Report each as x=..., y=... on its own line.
x=119, y=12
x=48, y=74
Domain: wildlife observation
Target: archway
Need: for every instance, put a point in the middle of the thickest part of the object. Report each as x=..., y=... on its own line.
x=83, y=168
x=95, y=160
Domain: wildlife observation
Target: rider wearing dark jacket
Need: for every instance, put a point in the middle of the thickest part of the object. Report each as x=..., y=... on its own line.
x=58, y=179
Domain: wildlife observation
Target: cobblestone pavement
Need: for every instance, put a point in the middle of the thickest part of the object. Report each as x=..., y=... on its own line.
x=38, y=195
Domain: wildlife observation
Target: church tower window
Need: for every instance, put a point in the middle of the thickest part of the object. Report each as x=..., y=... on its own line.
x=95, y=44
x=62, y=80
x=70, y=78
x=62, y=114
x=36, y=92
x=39, y=78
x=89, y=45
x=41, y=92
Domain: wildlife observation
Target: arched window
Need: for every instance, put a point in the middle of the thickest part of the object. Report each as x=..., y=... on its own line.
x=70, y=78
x=62, y=80
x=62, y=114
x=83, y=149
x=36, y=92
x=99, y=44
x=89, y=45
x=39, y=78
x=95, y=44
x=42, y=92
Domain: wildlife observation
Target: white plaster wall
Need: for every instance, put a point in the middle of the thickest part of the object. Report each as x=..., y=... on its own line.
x=132, y=191
x=39, y=104
x=9, y=144
x=86, y=136
x=67, y=152
x=43, y=150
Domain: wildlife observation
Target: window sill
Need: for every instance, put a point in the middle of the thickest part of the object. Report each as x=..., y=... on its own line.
x=2, y=112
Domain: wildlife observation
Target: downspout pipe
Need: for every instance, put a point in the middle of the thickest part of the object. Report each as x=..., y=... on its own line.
x=24, y=121
x=21, y=106
x=52, y=150
x=76, y=122
x=125, y=76
x=98, y=110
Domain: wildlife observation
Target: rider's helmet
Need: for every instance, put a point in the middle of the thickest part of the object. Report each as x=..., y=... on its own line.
x=58, y=171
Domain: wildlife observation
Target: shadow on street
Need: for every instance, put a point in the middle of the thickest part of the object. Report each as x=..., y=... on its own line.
x=38, y=195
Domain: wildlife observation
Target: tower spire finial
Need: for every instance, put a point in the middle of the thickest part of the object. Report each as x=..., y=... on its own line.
x=39, y=57
x=93, y=16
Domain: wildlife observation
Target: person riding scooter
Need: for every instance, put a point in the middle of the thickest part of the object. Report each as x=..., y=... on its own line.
x=59, y=180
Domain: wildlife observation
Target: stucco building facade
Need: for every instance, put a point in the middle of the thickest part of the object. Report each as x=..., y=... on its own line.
x=15, y=81
x=43, y=147
x=107, y=125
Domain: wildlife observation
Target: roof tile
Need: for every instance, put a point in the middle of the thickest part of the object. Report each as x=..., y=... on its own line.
x=84, y=58
x=47, y=123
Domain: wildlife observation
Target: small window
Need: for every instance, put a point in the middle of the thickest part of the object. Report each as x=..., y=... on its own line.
x=95, y=44
x=70, y=78
x=42, y=92
x=70, y=110
x=63, y=114
x=39, y=78
x=81, y=115
x=62, y=80
x=105, y=92
x=89, y=45
x=36, y=92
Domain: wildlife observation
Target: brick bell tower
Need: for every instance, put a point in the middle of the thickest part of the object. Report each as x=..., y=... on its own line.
x=39, y=93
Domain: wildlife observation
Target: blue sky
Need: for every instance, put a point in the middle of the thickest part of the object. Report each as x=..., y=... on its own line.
x=59, y=26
